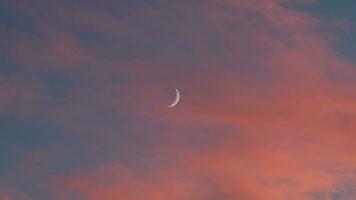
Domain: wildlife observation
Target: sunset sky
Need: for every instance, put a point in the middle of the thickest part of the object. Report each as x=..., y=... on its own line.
x=267, y=109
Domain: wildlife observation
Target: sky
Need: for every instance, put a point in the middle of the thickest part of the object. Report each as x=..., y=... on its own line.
x=267, y=108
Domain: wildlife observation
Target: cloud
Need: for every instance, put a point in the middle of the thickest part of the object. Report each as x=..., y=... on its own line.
x=118, y=182
x=12, y=194
x=263, y=114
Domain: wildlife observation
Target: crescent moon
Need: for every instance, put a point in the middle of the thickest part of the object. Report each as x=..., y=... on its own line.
x=176, y=100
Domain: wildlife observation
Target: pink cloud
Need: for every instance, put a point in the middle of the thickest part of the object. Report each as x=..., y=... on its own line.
x=261, y=118
x=12, y=194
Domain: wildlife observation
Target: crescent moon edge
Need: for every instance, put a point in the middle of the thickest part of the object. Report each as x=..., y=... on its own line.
x=176, y=100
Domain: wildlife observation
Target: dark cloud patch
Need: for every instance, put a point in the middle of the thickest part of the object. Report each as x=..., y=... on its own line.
x=332, y=8
x=147, y=30
x=33, y=151
x=345, y=190
x=340, y=17
x=318, y=195
x=342, y=190
x=15, y=19
x=20, y=136
x=61, y=84
x=88, y=37
x=8, y=67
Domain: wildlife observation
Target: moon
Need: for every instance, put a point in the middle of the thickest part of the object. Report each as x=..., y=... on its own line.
x=176, y=100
